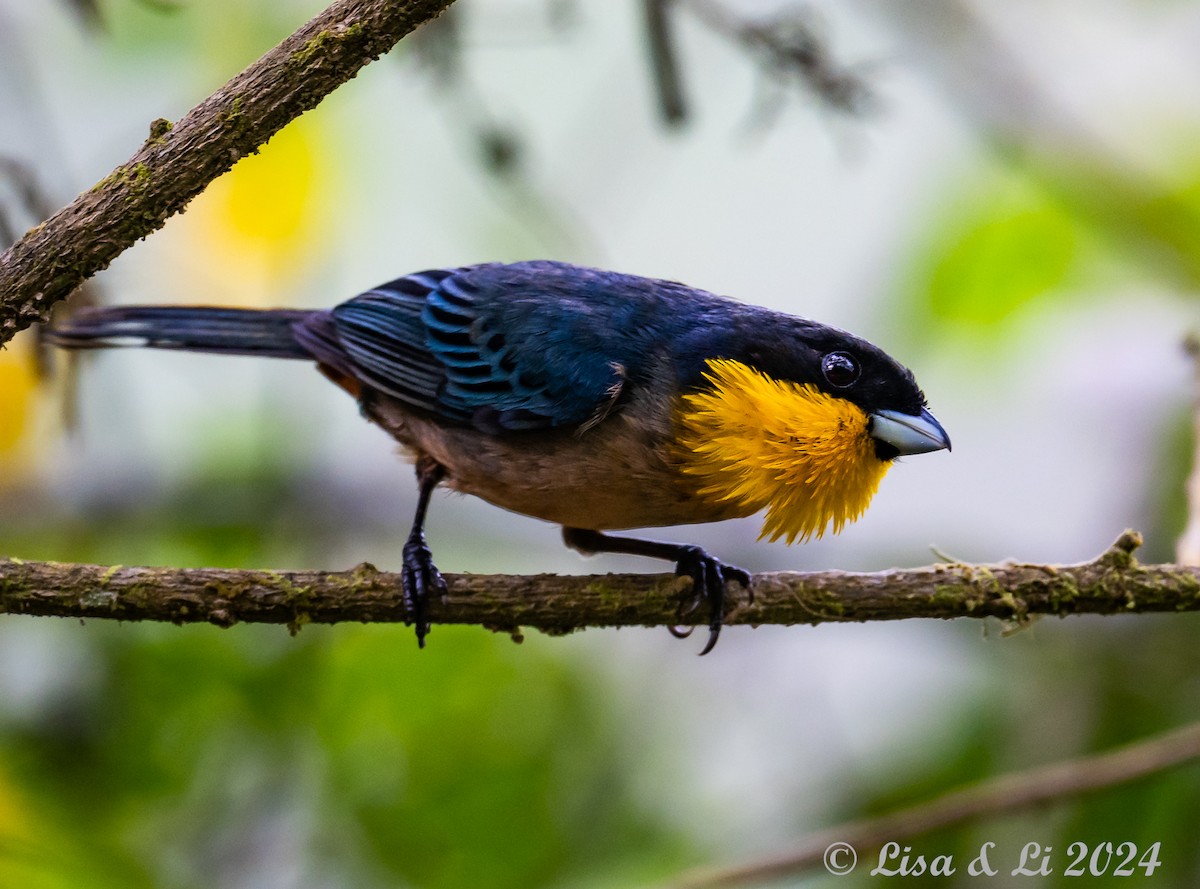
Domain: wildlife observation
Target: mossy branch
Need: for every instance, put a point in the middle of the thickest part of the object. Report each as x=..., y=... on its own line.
x=1114, y=583
x=179, y=160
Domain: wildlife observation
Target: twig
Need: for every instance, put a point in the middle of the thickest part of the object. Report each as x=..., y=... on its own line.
x=787, y=44
x=178, y=160
x=1007, y=793
x=1114, y=583
x=664, y=60
x=1187, y=548
x=88, y=12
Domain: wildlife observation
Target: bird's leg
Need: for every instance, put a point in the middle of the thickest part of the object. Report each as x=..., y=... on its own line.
x=709, y=575
x=420, y=577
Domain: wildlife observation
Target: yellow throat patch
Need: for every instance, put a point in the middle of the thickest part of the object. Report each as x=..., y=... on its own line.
x=754, y=442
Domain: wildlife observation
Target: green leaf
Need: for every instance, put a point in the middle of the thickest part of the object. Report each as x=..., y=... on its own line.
x=992, y=258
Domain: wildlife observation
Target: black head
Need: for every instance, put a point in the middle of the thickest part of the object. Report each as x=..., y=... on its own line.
x=840, y=364
x=843, y=365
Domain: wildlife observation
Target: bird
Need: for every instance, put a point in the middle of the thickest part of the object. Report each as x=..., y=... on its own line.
x=596, y=400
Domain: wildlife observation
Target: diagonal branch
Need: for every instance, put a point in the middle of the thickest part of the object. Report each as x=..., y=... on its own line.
x=1007, y=793
x=178, y=160
x=1114, y=583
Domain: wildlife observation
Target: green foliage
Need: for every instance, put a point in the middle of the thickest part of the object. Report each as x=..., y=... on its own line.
x=1000, y=263
x=1003, y=243
x=473, y=763
x=988, y=257
x=198, y=756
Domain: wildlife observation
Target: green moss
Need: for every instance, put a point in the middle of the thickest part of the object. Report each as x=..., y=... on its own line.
x=140, y=593
x=1017, y=607
x=1189, y=590
x=106, y=181
x=233, y=116
x=218, y=590
x=364, y=573
x=136, y=175
x=952, y=598
x=13, y=590
x=158, y=131
x=317, y=42
x=1118, y=559
x=976, y=586
x=823, y=605
x=603, y=591
x=1120, y=556
x=294, y=595
x=1063, y=593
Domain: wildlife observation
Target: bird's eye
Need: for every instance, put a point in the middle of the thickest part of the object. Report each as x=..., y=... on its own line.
x=840, y=369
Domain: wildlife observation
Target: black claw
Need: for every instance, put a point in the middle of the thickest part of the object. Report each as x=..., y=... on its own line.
x=713, y=634
x=421, y=578
x=688, y=605
x=709, y=576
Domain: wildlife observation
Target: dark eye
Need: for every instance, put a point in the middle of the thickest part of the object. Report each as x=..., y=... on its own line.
x=840, y=369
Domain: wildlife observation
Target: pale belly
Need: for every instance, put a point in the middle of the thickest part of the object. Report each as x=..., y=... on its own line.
x=617, y=475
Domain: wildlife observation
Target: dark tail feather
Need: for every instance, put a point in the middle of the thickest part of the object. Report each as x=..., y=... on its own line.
x=195, y=329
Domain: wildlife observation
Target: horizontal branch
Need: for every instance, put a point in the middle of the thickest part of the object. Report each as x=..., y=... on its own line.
x=1114, y=583
x=179, y=160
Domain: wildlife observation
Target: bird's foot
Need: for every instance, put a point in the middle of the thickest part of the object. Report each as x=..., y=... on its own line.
x=420, y=579
x=709, y=576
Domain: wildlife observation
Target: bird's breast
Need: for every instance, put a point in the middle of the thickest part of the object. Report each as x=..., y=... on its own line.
x=804, y=455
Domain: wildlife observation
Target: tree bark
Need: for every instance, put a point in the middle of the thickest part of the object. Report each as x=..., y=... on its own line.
x=178, y=160
x=1114, y=583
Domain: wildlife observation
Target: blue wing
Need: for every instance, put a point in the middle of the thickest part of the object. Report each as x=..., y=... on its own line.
x=531, y=345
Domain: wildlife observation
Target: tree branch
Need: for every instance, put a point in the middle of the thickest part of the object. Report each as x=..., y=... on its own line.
x=1006, y=793
x=664, y=61
x=1114, y=583
x=178, y=160
x=790, y=43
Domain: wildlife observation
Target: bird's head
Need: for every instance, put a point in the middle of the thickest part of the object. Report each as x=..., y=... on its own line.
x=806, y=430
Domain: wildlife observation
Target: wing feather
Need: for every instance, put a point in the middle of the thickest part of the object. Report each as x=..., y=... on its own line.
x=505, y=348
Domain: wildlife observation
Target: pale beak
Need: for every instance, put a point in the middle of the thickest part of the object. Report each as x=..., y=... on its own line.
x=909, y=433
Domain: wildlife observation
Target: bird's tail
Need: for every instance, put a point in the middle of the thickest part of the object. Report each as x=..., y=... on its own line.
x=267, y=333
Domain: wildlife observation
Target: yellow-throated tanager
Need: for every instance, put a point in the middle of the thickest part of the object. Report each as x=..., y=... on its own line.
x=588, y=398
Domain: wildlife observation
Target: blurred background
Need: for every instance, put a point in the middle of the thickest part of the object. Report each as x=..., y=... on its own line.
x=1004, y=197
